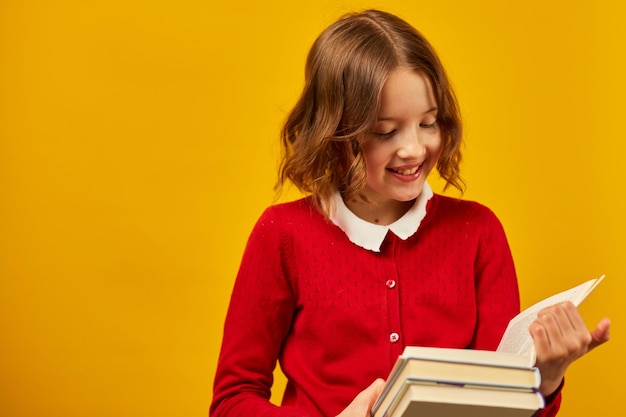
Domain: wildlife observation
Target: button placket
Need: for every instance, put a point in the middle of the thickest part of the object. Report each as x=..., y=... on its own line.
x=391, y=291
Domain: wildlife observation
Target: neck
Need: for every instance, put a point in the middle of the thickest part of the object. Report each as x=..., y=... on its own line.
x=378, y=212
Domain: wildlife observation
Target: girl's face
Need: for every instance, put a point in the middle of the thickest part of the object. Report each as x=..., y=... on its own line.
x=405, y=142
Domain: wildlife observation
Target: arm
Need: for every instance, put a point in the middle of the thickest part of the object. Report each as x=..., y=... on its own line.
x=497, y=293
x=257, y=322
x=495, y=270
x=262, y=316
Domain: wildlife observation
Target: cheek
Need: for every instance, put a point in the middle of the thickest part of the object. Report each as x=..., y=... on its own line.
x=437, y=152
x=373, y=154
x=373, y=164
x=436, y=147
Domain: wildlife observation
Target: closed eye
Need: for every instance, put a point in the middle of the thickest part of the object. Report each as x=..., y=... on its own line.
x=385, y=135
x=429, y=125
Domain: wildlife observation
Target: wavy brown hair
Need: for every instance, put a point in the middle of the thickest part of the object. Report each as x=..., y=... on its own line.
x=345, y=72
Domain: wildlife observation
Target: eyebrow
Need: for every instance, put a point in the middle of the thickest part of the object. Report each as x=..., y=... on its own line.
x=382, y=119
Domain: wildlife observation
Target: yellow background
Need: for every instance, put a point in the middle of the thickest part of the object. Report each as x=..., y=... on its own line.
x=138, y=145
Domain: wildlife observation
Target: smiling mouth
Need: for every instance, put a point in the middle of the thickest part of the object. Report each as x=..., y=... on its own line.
x=409, y=171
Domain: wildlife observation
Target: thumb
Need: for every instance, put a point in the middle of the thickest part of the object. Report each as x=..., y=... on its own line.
x=372, y=392
x=600, y=334
x=377, y=386
x=375, y=389
x=362, y=404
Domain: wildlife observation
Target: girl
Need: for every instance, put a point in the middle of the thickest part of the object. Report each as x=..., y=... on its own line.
x=336, y=284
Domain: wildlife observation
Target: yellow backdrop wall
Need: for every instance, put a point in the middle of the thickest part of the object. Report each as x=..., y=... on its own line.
x=138, y=145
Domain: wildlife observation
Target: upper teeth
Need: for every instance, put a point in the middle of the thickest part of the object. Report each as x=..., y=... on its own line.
x=407, y=171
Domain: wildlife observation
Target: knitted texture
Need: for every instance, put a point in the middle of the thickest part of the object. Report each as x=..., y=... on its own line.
x=337, y=316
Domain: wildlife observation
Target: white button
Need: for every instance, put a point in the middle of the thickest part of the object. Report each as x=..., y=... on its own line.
x=390, y=283
x=394, y=337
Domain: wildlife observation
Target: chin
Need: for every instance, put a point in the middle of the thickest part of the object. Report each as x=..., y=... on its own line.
x=411, y=195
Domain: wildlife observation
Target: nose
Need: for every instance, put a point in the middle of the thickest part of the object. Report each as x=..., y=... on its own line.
x=411, y=145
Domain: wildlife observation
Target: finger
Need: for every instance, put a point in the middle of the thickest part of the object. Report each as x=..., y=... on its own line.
x=572, y=327
x=565, y=315
x=550, y=323
x=601, y=334
x=563, y=339
x=574, y=316
x=540, y=338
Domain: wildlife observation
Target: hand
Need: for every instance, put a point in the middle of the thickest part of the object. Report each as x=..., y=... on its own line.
x=363, y=402
x=561, y=336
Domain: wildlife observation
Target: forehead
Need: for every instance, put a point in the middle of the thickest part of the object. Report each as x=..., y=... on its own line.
x=406, y=91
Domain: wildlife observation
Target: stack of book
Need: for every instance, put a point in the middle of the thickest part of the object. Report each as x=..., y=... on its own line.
x=442, y=382
x=438, y=382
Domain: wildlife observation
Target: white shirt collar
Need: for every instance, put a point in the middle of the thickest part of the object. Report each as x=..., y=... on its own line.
x=371, y=236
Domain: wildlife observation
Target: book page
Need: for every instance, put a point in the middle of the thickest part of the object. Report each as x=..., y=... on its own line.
x=466, y=356
x=517, y=339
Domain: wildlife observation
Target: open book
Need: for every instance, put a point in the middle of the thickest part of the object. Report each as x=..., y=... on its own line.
x=444, y=381
x=517, y=339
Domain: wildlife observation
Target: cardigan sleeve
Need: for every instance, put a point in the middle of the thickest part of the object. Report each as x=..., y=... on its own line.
x=498, y=296
x=497, y=293
x=258, y=319
x=553, y=403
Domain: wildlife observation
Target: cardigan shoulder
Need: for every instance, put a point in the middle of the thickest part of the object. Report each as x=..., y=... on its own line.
x=302, y=206
x=293, y=217
x=459, y=206
x=454, y=211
